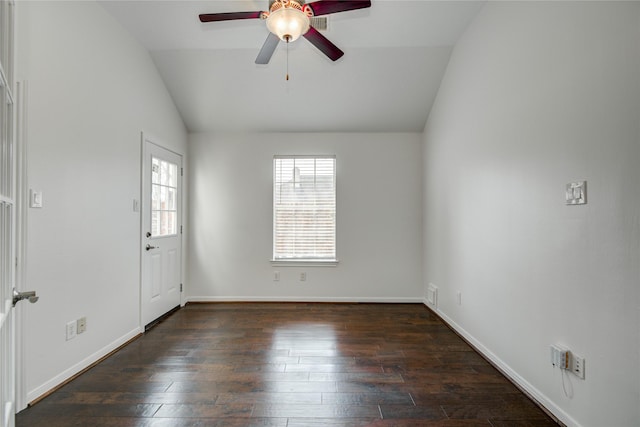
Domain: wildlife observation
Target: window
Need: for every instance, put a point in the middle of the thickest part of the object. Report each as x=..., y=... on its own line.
x=304, y=208
x=164, y=190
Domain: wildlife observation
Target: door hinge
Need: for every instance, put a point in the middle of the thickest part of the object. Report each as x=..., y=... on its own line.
x=180, y=229
x=181, y=171
x=180, y=287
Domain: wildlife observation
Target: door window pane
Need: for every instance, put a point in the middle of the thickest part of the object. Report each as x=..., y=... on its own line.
x=155, y=223
x=173, y=175
x=171, y=199
x=164, y=198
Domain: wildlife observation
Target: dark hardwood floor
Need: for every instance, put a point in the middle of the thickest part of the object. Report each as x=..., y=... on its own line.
x=293, y=365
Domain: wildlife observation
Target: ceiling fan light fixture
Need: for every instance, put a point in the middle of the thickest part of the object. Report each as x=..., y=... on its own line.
x=288, y=21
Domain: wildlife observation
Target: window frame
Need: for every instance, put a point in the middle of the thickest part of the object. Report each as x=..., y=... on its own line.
x=301, y=262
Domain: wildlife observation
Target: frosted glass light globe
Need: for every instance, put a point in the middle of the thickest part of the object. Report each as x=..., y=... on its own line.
x=288, y=23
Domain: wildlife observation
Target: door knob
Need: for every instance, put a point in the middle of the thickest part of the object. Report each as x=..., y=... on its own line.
x=19, y=296
x=149, y=247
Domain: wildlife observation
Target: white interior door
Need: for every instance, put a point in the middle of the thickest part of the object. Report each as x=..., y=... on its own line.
x=7, y=219
x=7, y=341
x=162, y=231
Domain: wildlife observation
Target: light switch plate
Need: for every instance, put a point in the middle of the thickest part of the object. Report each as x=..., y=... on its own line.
x=576, y=193
x=71, y=330
x=35, y=199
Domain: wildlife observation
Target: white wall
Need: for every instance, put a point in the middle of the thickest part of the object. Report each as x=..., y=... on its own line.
x=379, y=211
x=537, y=95
x=91, y=91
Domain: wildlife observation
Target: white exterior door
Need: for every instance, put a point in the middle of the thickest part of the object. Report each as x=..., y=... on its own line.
x=161, y=231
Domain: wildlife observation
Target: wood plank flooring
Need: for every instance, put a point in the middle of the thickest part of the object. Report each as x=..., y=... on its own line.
x=292, y=365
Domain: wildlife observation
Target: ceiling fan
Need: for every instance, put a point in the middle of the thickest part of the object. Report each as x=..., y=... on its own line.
x=287, y=20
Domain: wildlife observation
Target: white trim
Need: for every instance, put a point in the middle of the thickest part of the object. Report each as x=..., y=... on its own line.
x=509, y=372
x=396, y=300
x=304, y=156
x=9, y=412
x=158, y=142
x=6, y=312
x=304, y=262
x=3, y=80
x=22, y=216
x=83, y=364
x=140, y=225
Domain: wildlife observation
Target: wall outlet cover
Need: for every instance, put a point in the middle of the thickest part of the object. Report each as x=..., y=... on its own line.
x=71, y=330
x=577, y=366
x=81, y=326
x=432, y=295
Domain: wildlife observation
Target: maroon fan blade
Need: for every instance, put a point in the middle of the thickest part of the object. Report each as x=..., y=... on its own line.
x=229, y=16
x=322, y=43
x=325, y=7
x=268, y=48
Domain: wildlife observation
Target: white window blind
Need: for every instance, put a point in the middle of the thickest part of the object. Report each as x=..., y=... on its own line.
x=304, y=208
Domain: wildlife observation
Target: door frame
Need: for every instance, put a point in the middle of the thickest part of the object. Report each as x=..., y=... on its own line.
x=22, y=217
x=146, y=137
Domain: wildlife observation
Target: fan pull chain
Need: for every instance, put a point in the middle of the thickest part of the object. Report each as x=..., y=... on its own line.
x=288, y=58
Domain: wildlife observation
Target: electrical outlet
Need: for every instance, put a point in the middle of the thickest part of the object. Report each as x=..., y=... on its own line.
x=303, y=277
x=459, y=297
x=577, y=366
x=81, y=325
x=71, y=330
x=276, y=276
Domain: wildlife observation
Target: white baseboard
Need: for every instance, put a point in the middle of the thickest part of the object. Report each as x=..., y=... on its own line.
x=78, y=367
x=305, y=299
x=516, y=378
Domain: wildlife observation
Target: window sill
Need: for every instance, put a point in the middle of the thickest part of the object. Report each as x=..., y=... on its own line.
x=305, y=262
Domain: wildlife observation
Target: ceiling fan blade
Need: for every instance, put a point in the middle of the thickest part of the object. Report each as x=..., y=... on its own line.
x=268, y=48
x=323, y=43
x=325, y=7
x=229, y=16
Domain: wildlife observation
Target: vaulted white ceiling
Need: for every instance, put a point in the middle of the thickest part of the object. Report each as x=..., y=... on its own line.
x=395, y=55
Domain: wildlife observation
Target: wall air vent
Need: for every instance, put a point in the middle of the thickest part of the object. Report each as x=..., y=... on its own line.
x=320, y=23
